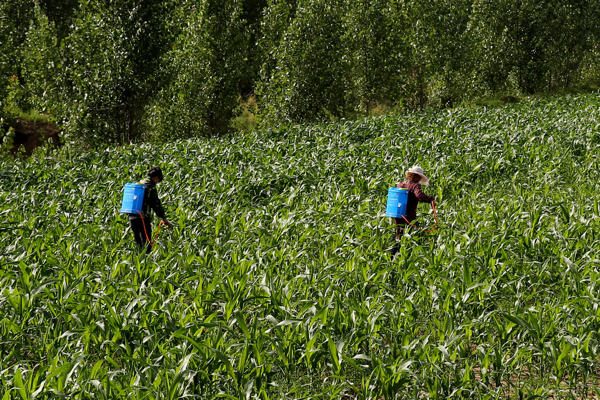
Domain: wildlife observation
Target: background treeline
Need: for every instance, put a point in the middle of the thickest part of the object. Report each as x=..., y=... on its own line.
x=117, y=71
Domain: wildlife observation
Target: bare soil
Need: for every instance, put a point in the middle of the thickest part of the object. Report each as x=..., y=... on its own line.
x=31, y=135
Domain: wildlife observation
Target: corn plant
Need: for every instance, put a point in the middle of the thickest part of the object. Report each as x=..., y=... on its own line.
x=277, y=278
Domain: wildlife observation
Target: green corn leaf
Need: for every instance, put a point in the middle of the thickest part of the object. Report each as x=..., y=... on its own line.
x=21, y=389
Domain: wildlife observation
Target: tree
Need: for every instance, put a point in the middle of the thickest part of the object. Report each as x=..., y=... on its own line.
x=307, y=81
x=376, y=51
x=60, y=13
x=278, y=15
x=252, y=14
x=572, y=29
x=205, y=68
x=107, y=68
x=15, y=19
x=439, y=51
x=531, y=45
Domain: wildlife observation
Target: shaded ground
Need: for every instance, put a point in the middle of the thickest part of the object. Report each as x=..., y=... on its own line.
x=30, y=135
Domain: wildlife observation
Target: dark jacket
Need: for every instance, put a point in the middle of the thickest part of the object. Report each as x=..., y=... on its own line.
x=415, y=195
x=151, y=201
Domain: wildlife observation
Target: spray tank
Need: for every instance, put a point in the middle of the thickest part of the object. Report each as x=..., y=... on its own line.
x=133, y=198
x=396, y=202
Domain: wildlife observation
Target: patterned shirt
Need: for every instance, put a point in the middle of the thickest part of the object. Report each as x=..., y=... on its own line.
x=415, y=195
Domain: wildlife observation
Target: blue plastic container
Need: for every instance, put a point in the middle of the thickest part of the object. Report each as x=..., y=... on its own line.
x=396, y=202
x=133, y=198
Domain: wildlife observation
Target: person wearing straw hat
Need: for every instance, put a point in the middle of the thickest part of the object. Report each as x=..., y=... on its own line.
x=415, y=177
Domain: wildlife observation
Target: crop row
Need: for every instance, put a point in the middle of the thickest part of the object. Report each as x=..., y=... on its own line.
x=277, y=278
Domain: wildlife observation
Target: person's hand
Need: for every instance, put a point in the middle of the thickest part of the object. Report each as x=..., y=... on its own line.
x=398, y=184
x=165, y=222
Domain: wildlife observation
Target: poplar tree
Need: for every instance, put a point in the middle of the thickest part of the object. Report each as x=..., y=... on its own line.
x=307, y=81
x=204, y=70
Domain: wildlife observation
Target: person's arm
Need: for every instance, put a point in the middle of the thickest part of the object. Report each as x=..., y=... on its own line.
x=422, y=197
x=155, y=204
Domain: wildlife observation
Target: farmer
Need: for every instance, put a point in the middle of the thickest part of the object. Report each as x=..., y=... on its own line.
x=141, y=224
x=414, y=179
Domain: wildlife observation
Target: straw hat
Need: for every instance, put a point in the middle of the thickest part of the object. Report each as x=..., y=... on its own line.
x=419, y=171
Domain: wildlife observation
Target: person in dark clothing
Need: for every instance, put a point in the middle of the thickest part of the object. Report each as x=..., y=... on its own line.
x=141, y=224
x=414, y=179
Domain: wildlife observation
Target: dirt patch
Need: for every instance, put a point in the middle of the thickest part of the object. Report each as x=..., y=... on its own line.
x=31, y=135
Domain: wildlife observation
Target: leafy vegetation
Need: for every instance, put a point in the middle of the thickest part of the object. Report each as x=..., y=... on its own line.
x=113, y=71
x=276, y=279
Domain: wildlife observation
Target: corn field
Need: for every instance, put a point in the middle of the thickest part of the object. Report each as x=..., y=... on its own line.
x=277, y=279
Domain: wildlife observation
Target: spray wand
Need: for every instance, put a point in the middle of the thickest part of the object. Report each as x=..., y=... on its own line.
x=162, y=222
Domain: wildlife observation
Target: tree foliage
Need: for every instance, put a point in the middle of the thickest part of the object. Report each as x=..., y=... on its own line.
x=15, y=18
x=531, y=45
x=307, y=81
x=203, y=69
x=376, y=52
x=116, y=71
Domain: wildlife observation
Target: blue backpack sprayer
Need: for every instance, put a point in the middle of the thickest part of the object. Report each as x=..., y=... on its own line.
x=396, y=206
x=396, y=202
x=133, y=200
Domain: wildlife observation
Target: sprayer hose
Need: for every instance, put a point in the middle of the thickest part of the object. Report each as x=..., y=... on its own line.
x=423, y=230
x=146, y=232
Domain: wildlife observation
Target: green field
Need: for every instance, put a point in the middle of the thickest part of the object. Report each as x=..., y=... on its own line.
x=276, y=278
